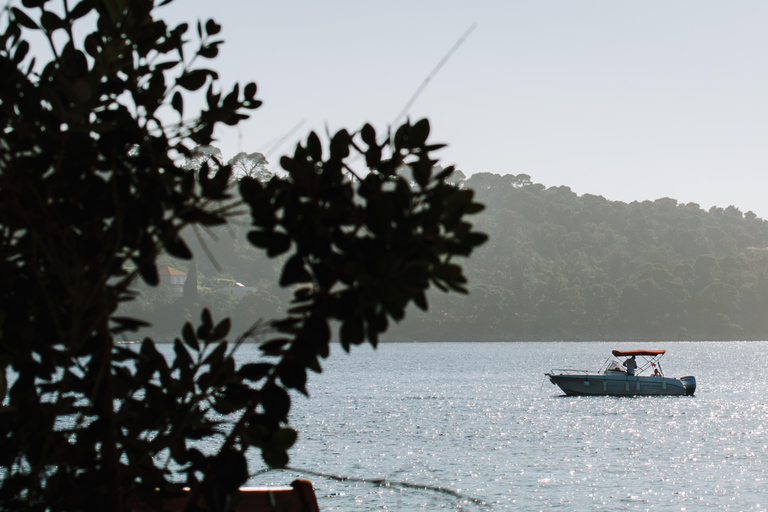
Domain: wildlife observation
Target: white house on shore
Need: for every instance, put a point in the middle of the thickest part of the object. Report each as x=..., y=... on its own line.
x=173, y=278
x=239, y=290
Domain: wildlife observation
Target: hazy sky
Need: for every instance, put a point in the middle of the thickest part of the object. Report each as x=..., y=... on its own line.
x=629, y=100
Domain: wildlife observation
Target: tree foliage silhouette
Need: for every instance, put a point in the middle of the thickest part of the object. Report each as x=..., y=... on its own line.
x=93, y=189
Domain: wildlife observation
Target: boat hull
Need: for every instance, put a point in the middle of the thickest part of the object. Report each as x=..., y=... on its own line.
x=622, y=385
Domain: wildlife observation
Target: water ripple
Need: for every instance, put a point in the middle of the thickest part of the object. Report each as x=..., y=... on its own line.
x=476, y=418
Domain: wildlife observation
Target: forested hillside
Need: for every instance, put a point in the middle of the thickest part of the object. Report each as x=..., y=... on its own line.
x=558, y=266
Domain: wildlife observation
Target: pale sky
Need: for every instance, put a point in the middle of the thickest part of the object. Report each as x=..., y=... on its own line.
x=632, y=100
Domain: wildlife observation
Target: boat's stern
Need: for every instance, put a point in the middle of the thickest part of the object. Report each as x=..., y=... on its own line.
x=689, y=383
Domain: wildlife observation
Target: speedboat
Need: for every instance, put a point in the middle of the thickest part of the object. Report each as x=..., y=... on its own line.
x=623, y=375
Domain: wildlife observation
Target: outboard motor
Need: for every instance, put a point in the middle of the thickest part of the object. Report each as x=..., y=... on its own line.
x=689, y=383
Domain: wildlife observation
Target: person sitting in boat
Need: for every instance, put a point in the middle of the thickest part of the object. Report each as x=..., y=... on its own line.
x=631, y=365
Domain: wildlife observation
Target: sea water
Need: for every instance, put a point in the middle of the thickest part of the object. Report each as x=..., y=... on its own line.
x=480, y=421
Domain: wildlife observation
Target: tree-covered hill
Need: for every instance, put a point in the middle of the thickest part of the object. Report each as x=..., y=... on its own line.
x=558, y=266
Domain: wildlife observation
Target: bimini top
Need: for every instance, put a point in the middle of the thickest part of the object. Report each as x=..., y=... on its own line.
x=627, y=353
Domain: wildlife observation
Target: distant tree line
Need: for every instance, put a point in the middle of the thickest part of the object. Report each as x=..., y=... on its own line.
x=558, y=266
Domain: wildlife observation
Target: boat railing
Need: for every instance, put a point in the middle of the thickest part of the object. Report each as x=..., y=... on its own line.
x=570, y=371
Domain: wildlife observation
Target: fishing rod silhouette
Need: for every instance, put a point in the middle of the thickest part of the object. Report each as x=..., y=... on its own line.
x=434, y=72
x=408, y=104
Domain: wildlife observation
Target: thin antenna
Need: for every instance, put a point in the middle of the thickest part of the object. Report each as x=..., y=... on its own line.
x=432, y=74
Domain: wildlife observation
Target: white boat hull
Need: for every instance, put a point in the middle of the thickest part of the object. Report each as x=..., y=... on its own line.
x=621, y=385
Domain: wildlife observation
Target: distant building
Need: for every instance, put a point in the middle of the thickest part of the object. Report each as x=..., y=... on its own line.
x=172, y=278
x=239, y=290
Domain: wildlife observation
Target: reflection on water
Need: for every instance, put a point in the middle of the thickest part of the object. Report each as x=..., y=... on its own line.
x=479, y=419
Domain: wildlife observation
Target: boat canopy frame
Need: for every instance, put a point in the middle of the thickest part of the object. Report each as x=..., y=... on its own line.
x=629, y=353
x=650, y=359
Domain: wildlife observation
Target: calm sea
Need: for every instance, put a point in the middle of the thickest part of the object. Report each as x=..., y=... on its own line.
x=480, y=420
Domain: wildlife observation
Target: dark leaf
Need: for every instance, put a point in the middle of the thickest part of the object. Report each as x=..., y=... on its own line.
x=250, y=90
x=178, y=248
x=445, y=173
x=206, y=318
x=92, y=45
x=293, y=375
x=419, y=133
x=3, y=384
x=51, y=22
x=21, y=52
x=473, y=208
x=420, y=300
x=231, y=470
x=221, y=330
x=313, y=363
x=255, y=371
x=177, y=102
x=276, y=402
x=284, y=438
x=183, y=359
x=421, y=174
x=275, y=243
x=216, y=357
x=126, y=354
x=148, y=273
x=188, y=333
x=155, y=358
x=368, y=134
x=125, y=323
x=294, y=272
x=251, y=191
x=165, y=66
x=476, y=238
x=31, y=66
x=352, y=331
x=340, y=145
x=193, y=80
x=448, y=272
x=317, y=331
x=276, y=459
x=22, y=18
x=82, y=8
x=314, y=147
x=402, y=137
x=209, y=51
x=273, y=347
x=212, y=28
x=373, y=157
